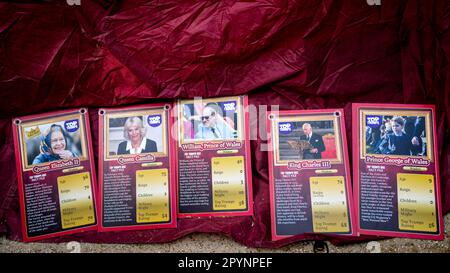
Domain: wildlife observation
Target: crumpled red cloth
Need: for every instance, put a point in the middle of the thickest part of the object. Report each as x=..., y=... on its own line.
x=305, y=54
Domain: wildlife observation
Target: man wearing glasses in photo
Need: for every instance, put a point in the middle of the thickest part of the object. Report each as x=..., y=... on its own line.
x=213, y=125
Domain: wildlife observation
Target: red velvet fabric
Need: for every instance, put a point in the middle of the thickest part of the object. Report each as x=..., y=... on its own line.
x=305, y=54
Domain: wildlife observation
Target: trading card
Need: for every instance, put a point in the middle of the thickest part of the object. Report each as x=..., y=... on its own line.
x=396, y=172
x=214, y=168
x=136, y=168
x=310, y=186
x=56, y=174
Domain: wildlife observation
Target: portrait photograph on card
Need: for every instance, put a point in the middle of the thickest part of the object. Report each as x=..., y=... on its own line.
x=56, y=173
x=214, y=176
x=136, y=170
x=308, y=140
x=51, y=142
x=310, y=183
x=136, y=134
x=395, y=171
x=214, y=120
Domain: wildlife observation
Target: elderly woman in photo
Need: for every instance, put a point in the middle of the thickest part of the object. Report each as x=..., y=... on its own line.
x=53, y=146
x=398, y=142
x=136, y=142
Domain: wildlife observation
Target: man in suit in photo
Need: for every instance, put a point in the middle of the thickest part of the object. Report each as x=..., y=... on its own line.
x=315, y=140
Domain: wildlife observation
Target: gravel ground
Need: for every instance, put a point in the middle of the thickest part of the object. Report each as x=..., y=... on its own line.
x=216, y=243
